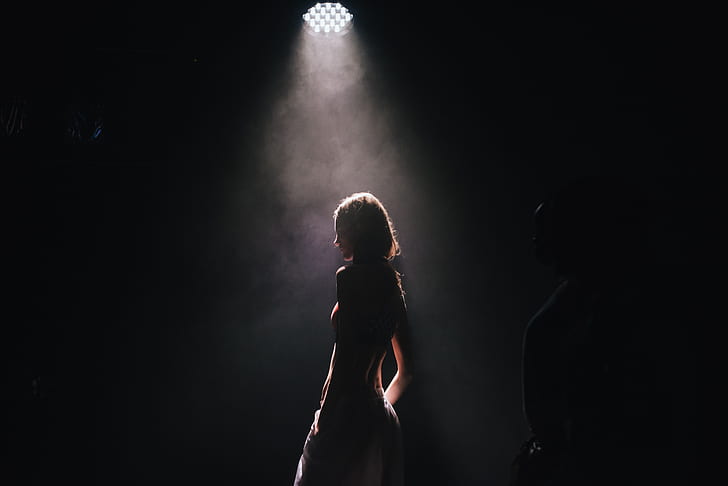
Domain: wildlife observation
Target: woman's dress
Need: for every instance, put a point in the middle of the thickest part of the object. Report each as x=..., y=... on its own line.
x=361, y=443
x=361, y=446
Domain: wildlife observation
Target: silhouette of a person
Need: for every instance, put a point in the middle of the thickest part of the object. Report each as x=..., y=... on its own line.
x=597, y=364
x=355, y=436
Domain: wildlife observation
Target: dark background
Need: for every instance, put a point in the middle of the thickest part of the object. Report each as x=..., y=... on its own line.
x=157, y=339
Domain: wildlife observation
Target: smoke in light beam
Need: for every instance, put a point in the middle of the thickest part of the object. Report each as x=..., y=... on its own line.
x=330, y=132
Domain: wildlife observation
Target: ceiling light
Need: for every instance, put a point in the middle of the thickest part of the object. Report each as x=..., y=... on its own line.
x=328, y=19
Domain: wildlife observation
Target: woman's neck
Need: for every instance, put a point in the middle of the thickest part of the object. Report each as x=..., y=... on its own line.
x=368, y=259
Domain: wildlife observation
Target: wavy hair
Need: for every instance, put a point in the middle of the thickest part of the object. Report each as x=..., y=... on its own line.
x=364, y=220
x=366, y=223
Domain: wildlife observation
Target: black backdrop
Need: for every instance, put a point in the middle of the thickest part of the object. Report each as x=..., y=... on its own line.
x=159, y=338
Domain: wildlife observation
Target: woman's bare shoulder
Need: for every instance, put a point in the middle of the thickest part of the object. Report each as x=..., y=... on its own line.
x=366, y=271
x=369, y=278
x=345, y=277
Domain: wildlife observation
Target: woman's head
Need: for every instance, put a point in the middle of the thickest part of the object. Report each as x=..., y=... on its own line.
x=364, y=229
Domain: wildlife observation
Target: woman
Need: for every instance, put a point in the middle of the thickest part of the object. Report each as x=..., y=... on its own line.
x=355, y=437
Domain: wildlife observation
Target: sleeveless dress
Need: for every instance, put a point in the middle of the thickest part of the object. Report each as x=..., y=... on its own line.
x=362, y=442
x=361, y=447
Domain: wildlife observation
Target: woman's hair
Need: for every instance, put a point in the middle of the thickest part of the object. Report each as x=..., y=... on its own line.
x=366, y=223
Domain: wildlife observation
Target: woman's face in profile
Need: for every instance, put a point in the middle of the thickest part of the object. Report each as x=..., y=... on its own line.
x=343, y=243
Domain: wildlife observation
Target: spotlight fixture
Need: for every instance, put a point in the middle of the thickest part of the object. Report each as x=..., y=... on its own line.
x=328, y=19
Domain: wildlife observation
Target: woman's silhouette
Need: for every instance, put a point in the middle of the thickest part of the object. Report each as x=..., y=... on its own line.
x=355, y=437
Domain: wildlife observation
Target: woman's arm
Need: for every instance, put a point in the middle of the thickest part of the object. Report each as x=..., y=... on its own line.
x=402, y=347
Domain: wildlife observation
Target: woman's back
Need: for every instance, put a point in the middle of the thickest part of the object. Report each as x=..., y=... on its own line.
x=367, y=313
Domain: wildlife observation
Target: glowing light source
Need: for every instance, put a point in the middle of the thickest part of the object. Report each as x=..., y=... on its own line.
x=328, y=18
